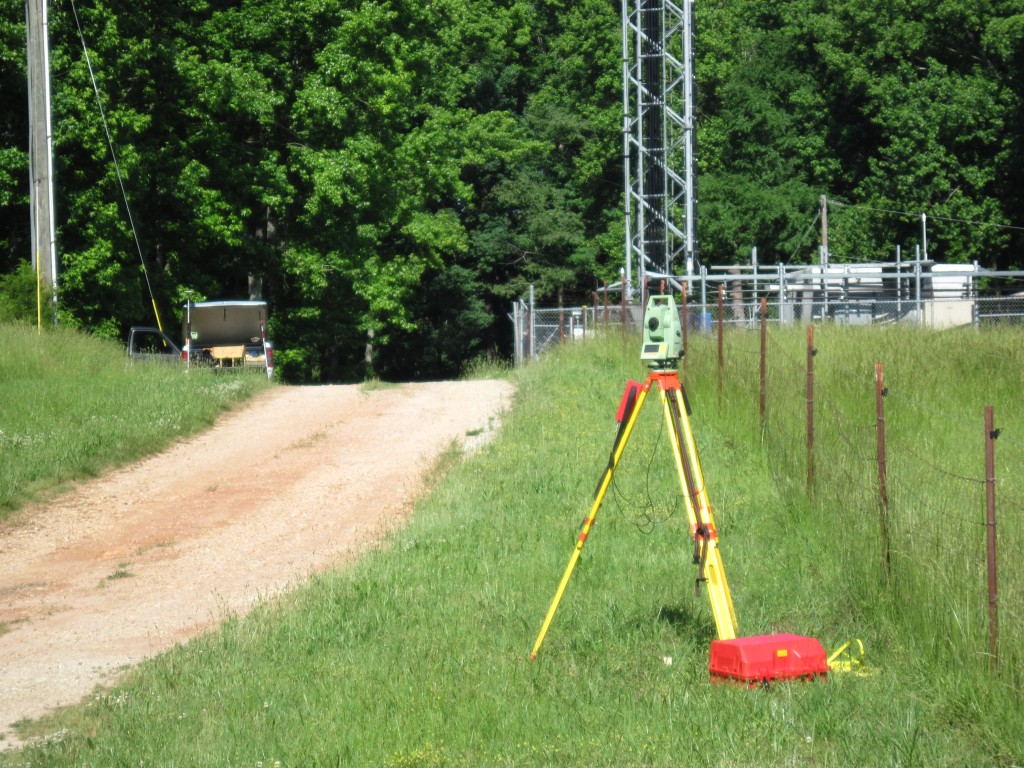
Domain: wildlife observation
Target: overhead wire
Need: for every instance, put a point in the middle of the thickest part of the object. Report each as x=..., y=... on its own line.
x=117, y=165
x=803, y=238
x=895, y=212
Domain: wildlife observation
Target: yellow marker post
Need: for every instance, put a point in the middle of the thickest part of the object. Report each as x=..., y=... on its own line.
x=157, y=313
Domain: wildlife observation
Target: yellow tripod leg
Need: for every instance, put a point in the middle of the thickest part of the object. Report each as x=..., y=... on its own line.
x=718, y=593
x=698, y=507
x=602, y=489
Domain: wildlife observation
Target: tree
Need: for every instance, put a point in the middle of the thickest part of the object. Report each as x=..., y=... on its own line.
x=899, y=106
x=14, y=217
x=21, y=295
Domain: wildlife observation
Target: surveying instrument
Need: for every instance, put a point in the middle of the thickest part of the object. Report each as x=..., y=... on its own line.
x=750, y=659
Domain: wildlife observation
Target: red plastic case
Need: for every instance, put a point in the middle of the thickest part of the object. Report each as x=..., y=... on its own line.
x=766, y=658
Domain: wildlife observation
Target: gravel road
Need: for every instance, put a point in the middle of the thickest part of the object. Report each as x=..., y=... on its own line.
x=129, y=564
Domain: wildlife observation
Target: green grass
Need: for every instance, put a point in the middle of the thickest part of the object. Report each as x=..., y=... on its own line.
x=73, y=407
x=418, y=654
x=487, y=367
x=121, y=572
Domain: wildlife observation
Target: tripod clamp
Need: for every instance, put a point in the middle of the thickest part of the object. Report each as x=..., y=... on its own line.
x=701, y=537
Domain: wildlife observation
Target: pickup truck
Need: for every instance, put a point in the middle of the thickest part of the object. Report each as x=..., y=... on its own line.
x=217, y=334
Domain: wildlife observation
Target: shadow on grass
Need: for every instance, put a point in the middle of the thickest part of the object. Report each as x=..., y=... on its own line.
x=686, y=621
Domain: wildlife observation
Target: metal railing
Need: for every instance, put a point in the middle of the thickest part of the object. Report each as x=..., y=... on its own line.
x=844, y=294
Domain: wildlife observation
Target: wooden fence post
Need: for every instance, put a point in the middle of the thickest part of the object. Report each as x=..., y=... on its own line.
x=883, y=491
x=810, y=408
x=990, y=518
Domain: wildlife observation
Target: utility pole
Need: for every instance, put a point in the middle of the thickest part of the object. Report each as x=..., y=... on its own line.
x=824, y=251
x=44, y=238
x=924, y=235
x=824, y=228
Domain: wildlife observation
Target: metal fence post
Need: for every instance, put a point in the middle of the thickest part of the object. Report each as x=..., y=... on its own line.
x=883, y=491
x=990, y=519
x=685, y=312
x=781, y=295
x=605, y=306
x=532, y=325
x=517, y=346
x=623, y=315
x=721, y=350
x=703, y=296
x=810, y=408
x=764, y=361
x=753, y=263
x=899, y=283
x=917, y=281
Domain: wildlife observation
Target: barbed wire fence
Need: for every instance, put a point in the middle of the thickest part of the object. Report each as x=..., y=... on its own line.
x=910, y=477
x=912, y=480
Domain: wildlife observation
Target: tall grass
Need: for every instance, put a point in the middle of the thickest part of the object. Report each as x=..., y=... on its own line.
x=417, y=655
x=72, y=406
x=934, y=592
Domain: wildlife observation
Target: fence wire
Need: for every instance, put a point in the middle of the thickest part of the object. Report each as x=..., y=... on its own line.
x=934, y=574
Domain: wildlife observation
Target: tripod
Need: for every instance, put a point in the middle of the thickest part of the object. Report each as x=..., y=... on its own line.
x=706, y=555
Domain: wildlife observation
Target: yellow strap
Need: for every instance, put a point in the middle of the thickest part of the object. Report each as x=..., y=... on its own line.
x=847, y=659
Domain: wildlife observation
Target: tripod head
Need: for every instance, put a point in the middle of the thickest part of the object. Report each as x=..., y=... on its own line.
x=663, y=334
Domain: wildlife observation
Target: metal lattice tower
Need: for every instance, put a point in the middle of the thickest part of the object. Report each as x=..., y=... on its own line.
x=658, y=137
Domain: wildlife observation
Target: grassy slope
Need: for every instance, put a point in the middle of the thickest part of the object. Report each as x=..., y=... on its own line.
x=417, y=656
x=72, y=407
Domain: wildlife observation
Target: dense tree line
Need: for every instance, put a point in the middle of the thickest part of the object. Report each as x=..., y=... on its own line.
x=389, y=174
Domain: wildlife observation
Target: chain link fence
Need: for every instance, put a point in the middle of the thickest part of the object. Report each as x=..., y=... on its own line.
x=949, y=301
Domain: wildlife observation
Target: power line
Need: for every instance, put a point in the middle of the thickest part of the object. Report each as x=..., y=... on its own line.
x=803, y=238
x=117, y=166
x=894, y=212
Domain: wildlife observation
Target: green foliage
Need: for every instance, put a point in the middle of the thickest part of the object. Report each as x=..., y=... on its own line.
x=891, y=107
x=21, y=296
x=341, y=157
x=14, y=187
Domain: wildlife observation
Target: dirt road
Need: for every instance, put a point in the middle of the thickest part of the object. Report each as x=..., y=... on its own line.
x=129, y=564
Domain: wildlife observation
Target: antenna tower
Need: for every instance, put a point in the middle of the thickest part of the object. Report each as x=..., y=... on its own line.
x=658, y=138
